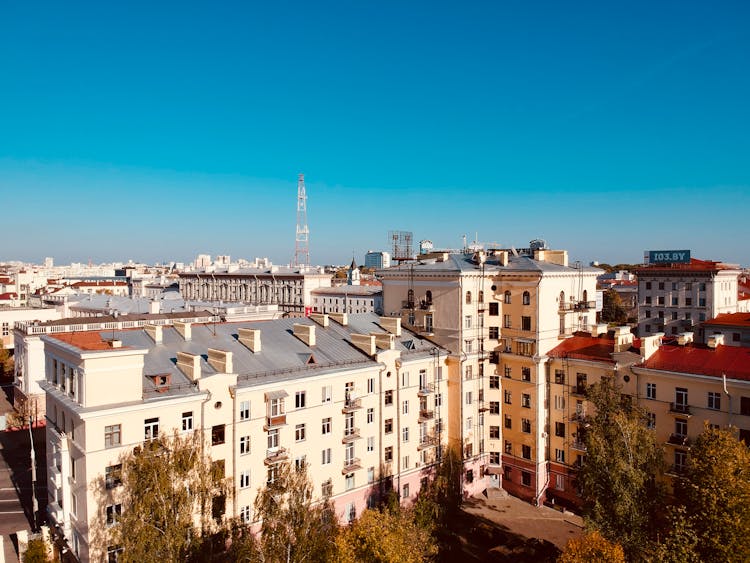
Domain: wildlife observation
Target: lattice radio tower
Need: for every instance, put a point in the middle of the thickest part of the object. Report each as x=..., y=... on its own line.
x=302, y=240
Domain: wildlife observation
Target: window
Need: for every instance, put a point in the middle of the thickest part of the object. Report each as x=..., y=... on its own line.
x=508, y=422
x=326, y=456
x=508, y=371
x=494, y=407
x=217, y=435
x=276, y=407
x=648, y=313
x=526, y=451
x=388, y=425
x=112, y=436
x=151, y=428
x=467, y=321
x=494, y=309
x=494, y=382
x=648, y=300
x=326, y=488
x=326, y=393
x=272, y=473
x=113, y=476
x=326, y=426
x=371, y=385
x=674, y=315
x=525, y=323
x=559, y=402
x=660, y=300
x=388, y=397
x=506, y=297
x=405, y=491
x=560, y=429
x=507, y=397
x=273, y=438
x=651, y=420
x=680, y=397
x=370, y=415
x=526, y=374
x=714, y=400
x=405, y=379
x=405, y=407
x=560, y=482
x=114, y=553
x=526, y=400
x=299, y=433
x=508, y=448
x=245, y=410
x=245, y=479
x=507, y=472
x=299, y=400
x=526, y=425
x=560, y=376
x=468, y=423
x=468, y=346
x=244, y=445
x=680, y=427
x=246, y=514
x=526, y=298
x=405, y=434
x=661, y=285
x=494, y=432
x=651, y=390
x=648, y=285
x=506, y=321
x=702, y=287
x=388, y=454
x=735, y=337
x=438, y=399
x=468, y=397
x=745, y=406
x=701, y=302
x=114, y=511
x=559, y=456
x=371, y=443
x=525, y=478
x=494, y=332
x=187, y=421
x=689, y=301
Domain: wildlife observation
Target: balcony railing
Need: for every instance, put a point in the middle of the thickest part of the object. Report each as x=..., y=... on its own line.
x=275, y=455
x=578, y=417
x=351, y=405
x=577, y=305
x=679, y=408
x=426, y=389
x=275, y=421
x=676, y=470
x=580, y=446
x=350, y=434
x=425, y=415
x=351, y=464
x=579, y=390
x=427, y=442
x=678, y=440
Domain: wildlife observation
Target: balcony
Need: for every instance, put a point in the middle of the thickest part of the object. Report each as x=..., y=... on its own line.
x=580, y=446
x=351, y=464
x=426, y=389
x=275, y=455
x=678, y=440
x=351, y=405
x=275, y=421
x=350, y=434
x=55, y=476
x=578, y=391
x=578, y=417
x=425, y=415
x=679, y=408
x=577, y=305
x=427, y=442
x=676, y=470
x=55, y=512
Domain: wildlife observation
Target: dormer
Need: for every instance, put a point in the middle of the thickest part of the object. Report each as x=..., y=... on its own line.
x=161, y=381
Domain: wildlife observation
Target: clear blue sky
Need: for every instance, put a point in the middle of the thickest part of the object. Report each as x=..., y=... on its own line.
x=156, y=131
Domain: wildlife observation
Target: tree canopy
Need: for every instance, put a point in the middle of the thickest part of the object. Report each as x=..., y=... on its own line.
x=613, y=311
x=591, y=547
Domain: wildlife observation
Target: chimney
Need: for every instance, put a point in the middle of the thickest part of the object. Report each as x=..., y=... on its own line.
x=185, y=329
x=599, y=329
x=220, y=360
x=715, y=340
x=190, y=365
x=384, y=340
x=623, y=338
x=391, y=324
x=502, y=257
x=306, y=333
x=365, y=342
x=154, y=307
x=250, y=337
x=154, y=331
x=650, y=344
x=320, y=318
x=685, y=338
x=341, y=318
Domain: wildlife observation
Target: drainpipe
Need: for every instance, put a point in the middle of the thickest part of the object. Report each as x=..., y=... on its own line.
x=203, y=444
x=729, y=397
x=398, y=429
x=380, y=420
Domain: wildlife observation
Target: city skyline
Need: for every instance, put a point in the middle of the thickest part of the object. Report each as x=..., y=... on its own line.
x=159, y=133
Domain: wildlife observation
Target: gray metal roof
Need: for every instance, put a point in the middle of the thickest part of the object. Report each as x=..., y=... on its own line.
x=464, y=263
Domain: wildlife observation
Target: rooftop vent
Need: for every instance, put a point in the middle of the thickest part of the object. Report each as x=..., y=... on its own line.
x=391, y=324
x=365, y=342
x=685, y=338
x=185, y=329
x=384, y=341
x=341, y=318
x=715, y=340
x=306, y=333
x=320, y=318
x=154, y=332
x=190, y=365
x=250, y=337
x=220, y=360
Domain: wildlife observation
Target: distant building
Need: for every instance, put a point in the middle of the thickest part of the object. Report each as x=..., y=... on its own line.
x=734, y=327
x=673, y=298
x=348, y=299
x=377, y=260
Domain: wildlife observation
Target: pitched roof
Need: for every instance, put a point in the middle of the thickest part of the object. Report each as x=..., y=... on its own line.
x=734, y=361
x=730, y=319
x=583, y=346
x=695, y=265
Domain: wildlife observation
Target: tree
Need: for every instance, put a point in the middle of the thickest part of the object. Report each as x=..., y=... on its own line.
x=293, y=529
x=613, y=310
x=168, y=487
x=441, y=500
x=37, y=552
x=382, y=536
x=680, y=542
x=716, y=495
x=620, y=493
x=591, y=547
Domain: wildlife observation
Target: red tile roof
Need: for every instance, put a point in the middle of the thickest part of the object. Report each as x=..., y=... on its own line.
x=7, y=296
x=734, y=361
x=87, y=340
x=583, y=346
x=100, y=283
x=695, y=265
x=730, y=319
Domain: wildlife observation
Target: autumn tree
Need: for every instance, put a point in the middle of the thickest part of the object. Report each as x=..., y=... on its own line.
x=165, y=507
x=716, y=495
x=441, y=500
x=294, y=529
x=591, y=547
x=680, y=542
x=613, y=311
x=38, y=551
x=620, y=493
x=382, y=536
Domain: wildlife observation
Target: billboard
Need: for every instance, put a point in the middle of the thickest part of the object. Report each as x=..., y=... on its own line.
x=668, y=256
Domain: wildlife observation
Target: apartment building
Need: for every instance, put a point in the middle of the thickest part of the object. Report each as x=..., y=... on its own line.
x=679, y=383
x=348, y=299
x=360, y=400
x=735, y=327
x=674, y=298
x=498, y=312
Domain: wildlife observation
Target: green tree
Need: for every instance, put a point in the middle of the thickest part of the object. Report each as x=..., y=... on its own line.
x=293, y=528
x=716, y=495
x=382, y=536
x=37, y=552
x=680, y=542
x=441, y=500
x=620, y=493
x=613, y=310
x=591, y=547
x=168, y=486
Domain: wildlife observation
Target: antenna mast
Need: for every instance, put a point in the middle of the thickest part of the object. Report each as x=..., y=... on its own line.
x=302, y=240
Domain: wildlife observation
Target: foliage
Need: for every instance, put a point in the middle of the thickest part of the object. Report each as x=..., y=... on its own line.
x=613, y=311
x=679, y=545
x=166, y=485
x=716, y=495
x=591, y=547
x=37, y=552
x=293, y=528
x=441, y=500
x=621, y=496
x=6, y=361
x=384, y=536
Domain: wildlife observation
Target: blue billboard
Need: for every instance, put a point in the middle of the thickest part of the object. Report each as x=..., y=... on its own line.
x=668, y=256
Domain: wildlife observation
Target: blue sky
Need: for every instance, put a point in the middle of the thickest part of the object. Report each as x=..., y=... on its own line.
x=155, y=131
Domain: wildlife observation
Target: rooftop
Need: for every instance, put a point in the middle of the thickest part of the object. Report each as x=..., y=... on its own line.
x=734, y=361
x=695, y=265
x=730, y=319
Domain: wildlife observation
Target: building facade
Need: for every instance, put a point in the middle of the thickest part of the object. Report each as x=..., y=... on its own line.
x=348, y=299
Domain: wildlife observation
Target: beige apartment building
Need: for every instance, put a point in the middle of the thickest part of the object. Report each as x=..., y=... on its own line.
x=363, y=402
x=679, y=383
x=498, y=312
